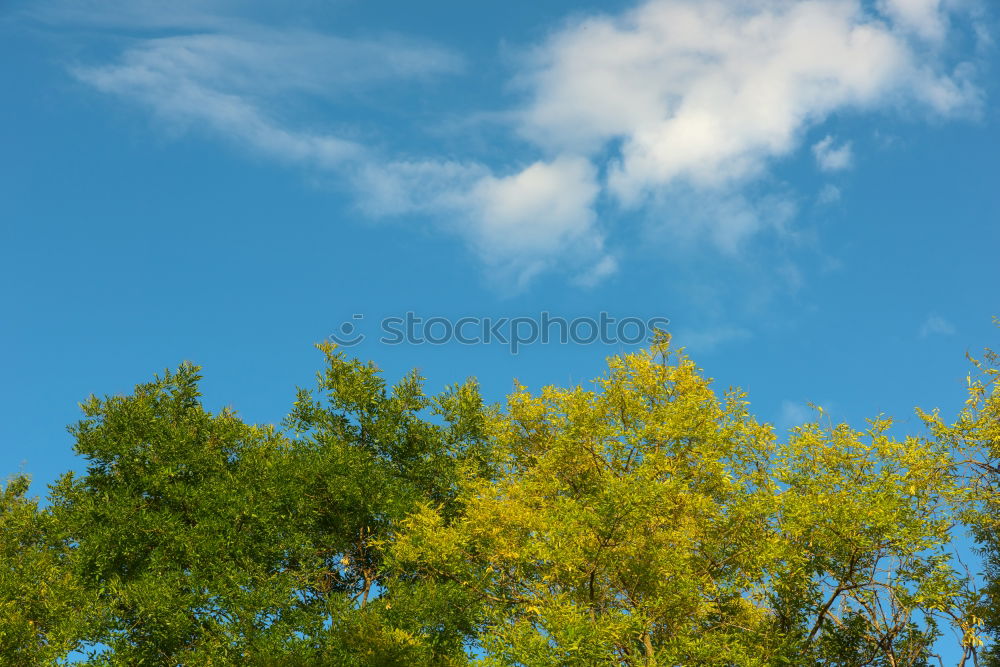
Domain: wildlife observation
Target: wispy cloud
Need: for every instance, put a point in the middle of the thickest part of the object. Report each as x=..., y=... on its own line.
x=706, y=340
x=831, y=157
x=935, y=325
x=829, y=194
x=675, y=106
x=240, y=83
x=795, y=413
x=519, y=223
x=184, y=100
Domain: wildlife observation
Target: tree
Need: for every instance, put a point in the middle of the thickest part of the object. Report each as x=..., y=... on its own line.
x=183, y=529
x=644, y=521
x=366, y=456
x=650, y=522
x=209, y=541
x=975, y=436
x=41, y=603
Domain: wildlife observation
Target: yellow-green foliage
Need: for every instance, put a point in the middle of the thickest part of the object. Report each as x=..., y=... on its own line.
x=40, y=600
x=648, y=521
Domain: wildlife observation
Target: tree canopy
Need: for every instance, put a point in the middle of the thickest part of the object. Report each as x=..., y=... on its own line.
x=645, y=519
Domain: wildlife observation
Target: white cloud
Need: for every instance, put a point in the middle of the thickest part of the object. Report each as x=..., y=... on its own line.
x=519, y=223
x=234, y=83
x=180, y=100
x=830, y=157
x=263, y=62
x=829, y=194
x=397, y=187
x=708, y=93
x=606, y=266
x=676, y=106
x=709, y=89
x=794, y=413
x=926, y=18
x=542, y=208
x=706, y=340
x=936, y=325
x=142, y=14
x=727, y=219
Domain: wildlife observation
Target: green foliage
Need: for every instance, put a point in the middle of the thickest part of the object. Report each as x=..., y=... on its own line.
x=209, y=541
x=184, y=528
x=646, y=520
x=41, y=602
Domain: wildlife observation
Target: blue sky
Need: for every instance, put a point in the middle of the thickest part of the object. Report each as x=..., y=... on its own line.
x=808, y=190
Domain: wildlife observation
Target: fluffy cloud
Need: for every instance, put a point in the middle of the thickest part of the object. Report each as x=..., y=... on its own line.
x=709, y=92
x=926, y=18
x=544, y=207
x=519, y=224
